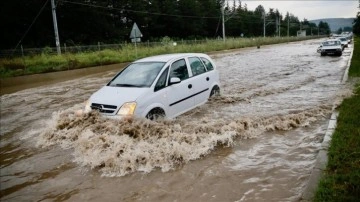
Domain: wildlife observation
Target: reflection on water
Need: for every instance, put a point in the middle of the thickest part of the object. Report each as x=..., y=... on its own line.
x=256, y=142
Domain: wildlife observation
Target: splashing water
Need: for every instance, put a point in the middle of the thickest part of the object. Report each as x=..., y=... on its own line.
x=119, y=147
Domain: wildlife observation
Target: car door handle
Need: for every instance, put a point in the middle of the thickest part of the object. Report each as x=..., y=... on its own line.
x=207, y=79
x=189, y=86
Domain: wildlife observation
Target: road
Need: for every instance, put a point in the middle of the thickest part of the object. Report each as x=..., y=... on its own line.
x=257, y=142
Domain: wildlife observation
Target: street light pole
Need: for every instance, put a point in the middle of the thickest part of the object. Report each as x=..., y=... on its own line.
x=57, y=40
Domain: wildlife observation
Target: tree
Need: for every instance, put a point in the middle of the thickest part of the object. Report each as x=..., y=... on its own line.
x=16, y=26
x=110, y=21
x=293, y=23
x=258, y=17
x=356, y=26
x=324, y=28
x=339, y=31
x=311, y=28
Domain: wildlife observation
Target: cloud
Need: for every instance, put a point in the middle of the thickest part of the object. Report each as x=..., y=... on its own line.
x=310, y=9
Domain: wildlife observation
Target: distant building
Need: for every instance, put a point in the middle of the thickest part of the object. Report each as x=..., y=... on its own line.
x=301, y=33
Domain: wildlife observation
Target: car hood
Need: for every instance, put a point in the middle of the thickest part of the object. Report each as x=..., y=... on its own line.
x=117, y=95
x=331, y=47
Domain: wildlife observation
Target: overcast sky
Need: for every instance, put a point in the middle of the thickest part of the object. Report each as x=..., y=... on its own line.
x=309, y=9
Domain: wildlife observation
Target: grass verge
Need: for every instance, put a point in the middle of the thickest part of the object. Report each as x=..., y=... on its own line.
x=50, y=63
x=341, y=180
x=354, y=70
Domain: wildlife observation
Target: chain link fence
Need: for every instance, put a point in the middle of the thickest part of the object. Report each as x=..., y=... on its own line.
x=21, y=52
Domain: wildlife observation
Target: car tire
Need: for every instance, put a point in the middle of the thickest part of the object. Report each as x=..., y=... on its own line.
x=323, y=54
x=339, y=54
x=155, y=114
x=215, y=91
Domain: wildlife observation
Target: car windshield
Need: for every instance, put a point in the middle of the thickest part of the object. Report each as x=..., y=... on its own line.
x=141, y=74
x=331, y=43
x=343, y=39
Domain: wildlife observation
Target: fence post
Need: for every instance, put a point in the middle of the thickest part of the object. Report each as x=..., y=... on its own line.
x=65, y=47
x=99, y=46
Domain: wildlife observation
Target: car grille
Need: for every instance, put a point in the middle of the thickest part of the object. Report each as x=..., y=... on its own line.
x=330, y=50
x=106, y=109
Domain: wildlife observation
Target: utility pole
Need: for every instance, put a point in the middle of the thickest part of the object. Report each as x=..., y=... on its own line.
x=279, y=26
x=57, y=41
x=264, y=24
x=223, y=22
x=288, y=25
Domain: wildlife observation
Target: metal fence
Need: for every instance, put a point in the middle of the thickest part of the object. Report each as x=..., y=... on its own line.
x=11, y=53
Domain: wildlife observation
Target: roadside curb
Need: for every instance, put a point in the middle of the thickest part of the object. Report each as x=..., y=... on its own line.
x=322, y=157
x=321, y=161
x=345, y=77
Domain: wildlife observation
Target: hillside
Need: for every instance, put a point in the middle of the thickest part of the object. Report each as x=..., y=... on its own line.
x=336, y=23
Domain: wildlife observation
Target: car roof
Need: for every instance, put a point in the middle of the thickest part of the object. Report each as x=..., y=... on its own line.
x=169, y=57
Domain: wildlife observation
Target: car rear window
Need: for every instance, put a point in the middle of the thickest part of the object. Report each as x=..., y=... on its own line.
x=208, y=64
x=197, y=67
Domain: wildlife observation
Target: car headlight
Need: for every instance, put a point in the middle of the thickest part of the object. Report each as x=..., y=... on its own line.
x=87, y=106
x=127, y=109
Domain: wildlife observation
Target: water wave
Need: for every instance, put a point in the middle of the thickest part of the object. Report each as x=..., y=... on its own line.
x=119, y=147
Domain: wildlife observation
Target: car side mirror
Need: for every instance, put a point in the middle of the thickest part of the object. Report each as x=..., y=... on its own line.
x=174, y=80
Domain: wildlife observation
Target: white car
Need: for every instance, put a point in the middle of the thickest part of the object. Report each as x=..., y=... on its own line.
x=159, y=86
x=344, y=42
x=330, y=47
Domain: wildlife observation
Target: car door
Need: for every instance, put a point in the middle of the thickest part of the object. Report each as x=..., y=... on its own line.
x=180, y=94
x=200, y=79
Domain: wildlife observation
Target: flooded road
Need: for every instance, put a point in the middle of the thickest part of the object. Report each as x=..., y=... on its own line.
x=257, y=142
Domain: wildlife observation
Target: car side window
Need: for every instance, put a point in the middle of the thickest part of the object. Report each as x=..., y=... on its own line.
x=208, y=64
x=179, y=69
x=197, y=67
x=161, y=83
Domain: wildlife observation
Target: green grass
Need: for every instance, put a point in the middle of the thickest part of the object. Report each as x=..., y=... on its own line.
x=341, y=180
x=354, y=70
x=50, y=63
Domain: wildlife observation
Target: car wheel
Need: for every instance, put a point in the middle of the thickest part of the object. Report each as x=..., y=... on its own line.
x=156, y=114
x=339, y=54
x=215, y=91
x=323, y=54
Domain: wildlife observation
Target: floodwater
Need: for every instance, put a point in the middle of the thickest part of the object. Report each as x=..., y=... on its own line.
x=257, y=142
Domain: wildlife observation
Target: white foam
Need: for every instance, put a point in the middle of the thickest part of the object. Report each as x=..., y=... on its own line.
x=120, y=147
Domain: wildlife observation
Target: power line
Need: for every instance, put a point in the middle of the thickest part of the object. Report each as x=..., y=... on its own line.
x=136, y=11
x=22, y=38
x=231, y=15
